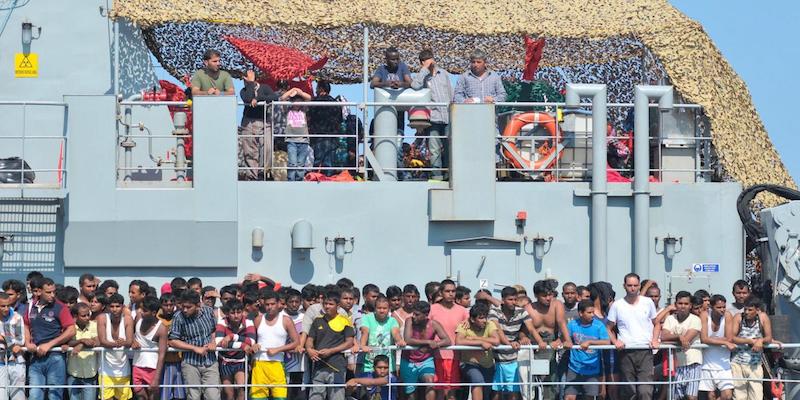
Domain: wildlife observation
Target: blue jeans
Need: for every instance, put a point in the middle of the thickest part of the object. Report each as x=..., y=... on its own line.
x=297, y=153
x=48, y=370
x=85, y=392
x=324, y=152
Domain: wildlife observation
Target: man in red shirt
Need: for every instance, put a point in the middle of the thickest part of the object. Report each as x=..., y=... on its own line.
x=448, y=314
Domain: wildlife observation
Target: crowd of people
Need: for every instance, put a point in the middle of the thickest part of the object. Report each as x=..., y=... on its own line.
x=299, y=130
x=190, y=341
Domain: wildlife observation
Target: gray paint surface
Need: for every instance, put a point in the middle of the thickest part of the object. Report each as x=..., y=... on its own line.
x=206, y=230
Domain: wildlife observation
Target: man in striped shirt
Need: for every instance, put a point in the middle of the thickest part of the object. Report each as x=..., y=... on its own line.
x=193, y=330
x=438, y=81
x=510, y=319
x=234, y=331
x=12, y=345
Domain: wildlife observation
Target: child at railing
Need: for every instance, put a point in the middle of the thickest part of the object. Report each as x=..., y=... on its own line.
x=375, y=384
x=234, y=331
x=297, y=140
x=584, y=363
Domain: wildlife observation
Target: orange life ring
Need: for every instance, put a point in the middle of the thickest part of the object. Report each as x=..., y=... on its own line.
x=513, y=128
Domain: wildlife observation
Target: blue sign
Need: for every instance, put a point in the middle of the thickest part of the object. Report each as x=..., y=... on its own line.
x=705, y=267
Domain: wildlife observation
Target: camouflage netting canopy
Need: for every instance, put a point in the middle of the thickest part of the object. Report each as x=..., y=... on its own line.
x=618, y=42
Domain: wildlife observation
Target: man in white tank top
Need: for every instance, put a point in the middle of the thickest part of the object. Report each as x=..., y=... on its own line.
x=115, y=332
x=151, y=341
x=717, y=332
x=276, y=334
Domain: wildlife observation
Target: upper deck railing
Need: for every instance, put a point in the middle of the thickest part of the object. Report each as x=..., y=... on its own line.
x=680, y=146
x=32, y=152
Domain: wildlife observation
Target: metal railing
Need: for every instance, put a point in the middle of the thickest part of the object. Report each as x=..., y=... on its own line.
x=173, y=145
x=695, y=145
x=531, y=383
x=265, y=151
x=53, y=177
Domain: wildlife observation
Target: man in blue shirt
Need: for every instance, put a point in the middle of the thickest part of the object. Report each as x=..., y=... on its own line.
x=48, y=324
x=584, y=363
x=394, y=74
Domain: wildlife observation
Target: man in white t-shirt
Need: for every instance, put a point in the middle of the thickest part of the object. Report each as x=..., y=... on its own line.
x=684, y=328
x=634, y=316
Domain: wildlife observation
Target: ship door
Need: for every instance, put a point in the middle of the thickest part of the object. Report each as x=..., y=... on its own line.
x=484, y=263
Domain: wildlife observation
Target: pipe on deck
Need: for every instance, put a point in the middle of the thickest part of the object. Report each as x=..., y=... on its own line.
x=599, y=185
x=641, y=170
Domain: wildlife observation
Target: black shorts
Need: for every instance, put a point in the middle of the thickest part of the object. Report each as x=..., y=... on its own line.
x=586, y=385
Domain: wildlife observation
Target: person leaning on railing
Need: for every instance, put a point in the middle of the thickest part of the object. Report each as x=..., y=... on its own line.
x=752, y=330
x=479, y=84
x=584, y=363
x=48, y=324
x=115, y=333
x=329, y=337
x=82, y=365
x=12, y=345
x=192, y=331
x=634, y=316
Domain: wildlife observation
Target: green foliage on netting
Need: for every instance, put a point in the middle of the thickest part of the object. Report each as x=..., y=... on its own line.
x=536, y=91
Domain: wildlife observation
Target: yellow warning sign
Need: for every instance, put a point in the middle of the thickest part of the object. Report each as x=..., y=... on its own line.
x=26, y=65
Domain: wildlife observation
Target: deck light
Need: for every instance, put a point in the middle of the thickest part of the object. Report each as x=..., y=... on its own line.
x=27, y=33
x=671, y=245
x=541, y=246
x=257, y=238
x=338, y=246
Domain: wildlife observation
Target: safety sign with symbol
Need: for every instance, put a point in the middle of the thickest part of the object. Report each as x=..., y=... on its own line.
x=26, y=65
x=710, y=267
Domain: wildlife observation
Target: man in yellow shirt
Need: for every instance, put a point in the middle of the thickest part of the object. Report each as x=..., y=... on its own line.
x=82, y=365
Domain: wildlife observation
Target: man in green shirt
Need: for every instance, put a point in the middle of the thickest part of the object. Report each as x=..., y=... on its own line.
x=210, y=80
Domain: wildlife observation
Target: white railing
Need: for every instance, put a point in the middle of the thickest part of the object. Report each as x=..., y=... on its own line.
x=532, y=383
x=45, y=178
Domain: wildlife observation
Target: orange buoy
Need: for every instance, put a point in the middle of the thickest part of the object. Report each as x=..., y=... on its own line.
x=512, y=130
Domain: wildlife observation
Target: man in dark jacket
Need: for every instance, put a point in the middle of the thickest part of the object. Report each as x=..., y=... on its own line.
x=256, y=129
x=324, y=121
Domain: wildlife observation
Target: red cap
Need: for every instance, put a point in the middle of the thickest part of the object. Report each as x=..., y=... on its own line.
x=166, y=288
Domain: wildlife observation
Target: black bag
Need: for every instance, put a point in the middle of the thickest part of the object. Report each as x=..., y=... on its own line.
x=9, y=171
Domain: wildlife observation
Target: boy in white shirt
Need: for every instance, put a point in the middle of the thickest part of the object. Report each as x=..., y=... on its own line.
x=684, y=328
